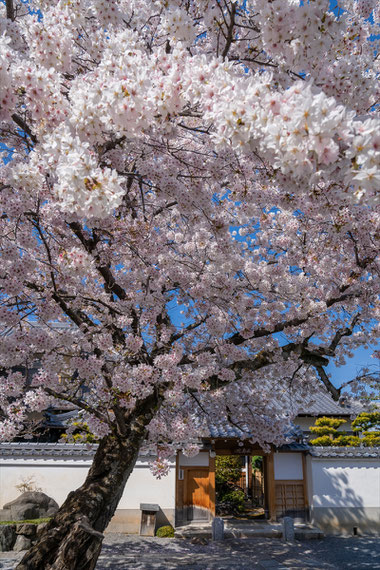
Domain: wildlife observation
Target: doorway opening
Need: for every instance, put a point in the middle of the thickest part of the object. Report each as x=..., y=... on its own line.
x=240, y=486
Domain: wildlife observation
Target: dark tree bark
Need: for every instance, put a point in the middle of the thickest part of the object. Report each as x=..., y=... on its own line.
x=72, y=540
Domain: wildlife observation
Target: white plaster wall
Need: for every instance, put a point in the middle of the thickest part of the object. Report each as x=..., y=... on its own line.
x=305, y=423
x=143, y=487
x=57, y=478
x=200, y=460
x=288, y=466
x=345, y=482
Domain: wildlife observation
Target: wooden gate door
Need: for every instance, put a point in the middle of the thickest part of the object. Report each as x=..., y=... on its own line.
x=290, y=499
x=197, y=493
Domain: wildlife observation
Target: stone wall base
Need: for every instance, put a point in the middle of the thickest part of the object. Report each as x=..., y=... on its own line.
x=344, y=520
x=128, y=520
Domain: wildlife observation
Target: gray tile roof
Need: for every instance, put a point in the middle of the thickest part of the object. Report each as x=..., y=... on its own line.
x=67, y=450
x=294, y=446
x=345, y=452
x=226, y=430
x=32, y=449
x=60, y=420
x=322, y=404
x=223, y=429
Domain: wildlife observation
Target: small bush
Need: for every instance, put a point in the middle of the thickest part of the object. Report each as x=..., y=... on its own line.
x=235, y=499
x=231, y=503
x=165, y=531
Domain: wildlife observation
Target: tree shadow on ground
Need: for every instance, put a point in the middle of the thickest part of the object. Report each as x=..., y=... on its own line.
x=333, y=553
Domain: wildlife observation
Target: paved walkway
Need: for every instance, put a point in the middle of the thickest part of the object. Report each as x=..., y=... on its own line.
x=137, y=553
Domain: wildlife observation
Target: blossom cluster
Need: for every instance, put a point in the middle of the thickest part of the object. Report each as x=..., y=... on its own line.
x=78, y=181
x=188, y=222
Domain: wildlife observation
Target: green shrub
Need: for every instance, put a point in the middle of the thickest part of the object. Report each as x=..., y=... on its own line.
x=367, y=424
x=347, y=441
x=323, y=441
x=371, y=438
x=227, y=469
x=367, y=421
x=165, y=531
x=235, y=499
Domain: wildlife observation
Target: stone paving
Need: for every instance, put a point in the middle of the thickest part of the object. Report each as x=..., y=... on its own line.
x=138, y=553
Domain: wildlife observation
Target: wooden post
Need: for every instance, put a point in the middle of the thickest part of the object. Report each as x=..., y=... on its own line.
x=250, y=486
x=179, y=493
x=305, y=487
x=212, y=485
x=271, y=487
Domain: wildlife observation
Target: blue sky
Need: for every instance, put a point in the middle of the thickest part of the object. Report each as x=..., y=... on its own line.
x=361, y=358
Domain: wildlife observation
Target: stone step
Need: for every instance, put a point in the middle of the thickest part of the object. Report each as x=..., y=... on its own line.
x=245, y=530
x=308, y=533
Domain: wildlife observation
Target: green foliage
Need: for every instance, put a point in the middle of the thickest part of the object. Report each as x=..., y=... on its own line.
x=227, y=473
x=165, y=531
x=257, y=462
x=371, y=438
x=340, y=441
x=81, y=434
x=366, y=423
x=27, y=521
x=347, y=441
x=227, y=470
x=234, y=499
x=323, y=441
x=327, y=430
x=327, y=426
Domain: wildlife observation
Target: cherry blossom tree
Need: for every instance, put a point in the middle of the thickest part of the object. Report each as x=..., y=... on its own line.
x=188, y=222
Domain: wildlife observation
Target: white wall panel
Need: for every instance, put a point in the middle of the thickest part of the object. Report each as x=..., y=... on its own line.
x=288, y=466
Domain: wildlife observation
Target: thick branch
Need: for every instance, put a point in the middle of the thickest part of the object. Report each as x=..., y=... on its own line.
x=238, y=338
x=335, y=392
x=77, y=317
x=10, y=9
x=341, y=333
x=166, y=207
x=105, y=272
x=230, y=31
x=76, y=402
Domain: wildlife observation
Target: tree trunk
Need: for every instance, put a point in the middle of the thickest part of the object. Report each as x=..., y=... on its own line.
x=72, y=540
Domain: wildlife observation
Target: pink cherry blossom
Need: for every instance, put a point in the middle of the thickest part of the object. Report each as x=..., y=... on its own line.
x=189, y=220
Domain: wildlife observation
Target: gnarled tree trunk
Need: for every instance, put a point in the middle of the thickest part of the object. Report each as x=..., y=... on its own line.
x=72, y=540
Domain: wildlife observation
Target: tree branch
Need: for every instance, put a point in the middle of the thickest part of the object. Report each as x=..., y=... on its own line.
x=335, y=392
x=25, y=127
x=230, y=31
x=341, y=333
x=76, y=402
x=10, y=10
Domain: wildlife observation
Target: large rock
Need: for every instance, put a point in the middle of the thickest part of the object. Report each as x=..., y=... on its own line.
x=28, y=530
x=22, y=543
x=40, y=528
x=4, y=515
x=7, y=537
x=31, y=505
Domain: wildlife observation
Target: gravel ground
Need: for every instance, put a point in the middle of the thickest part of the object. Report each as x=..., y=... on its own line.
x=134, y=552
